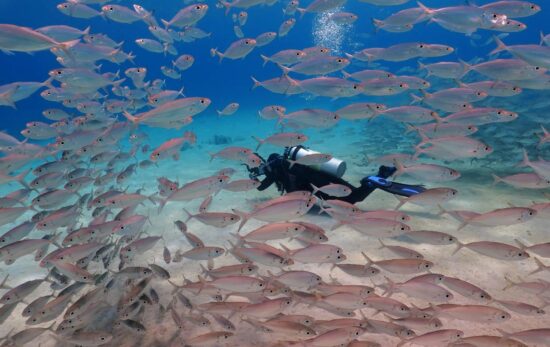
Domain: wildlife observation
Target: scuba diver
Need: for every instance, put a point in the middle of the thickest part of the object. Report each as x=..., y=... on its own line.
x=289, y=178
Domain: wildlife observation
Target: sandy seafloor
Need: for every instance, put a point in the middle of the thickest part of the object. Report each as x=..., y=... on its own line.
x=350, y=142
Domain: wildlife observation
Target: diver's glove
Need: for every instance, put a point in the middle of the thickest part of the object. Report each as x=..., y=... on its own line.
x=386, y=171
x=254, y=172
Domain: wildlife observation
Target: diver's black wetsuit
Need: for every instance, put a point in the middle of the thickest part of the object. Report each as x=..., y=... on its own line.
x=300, y=177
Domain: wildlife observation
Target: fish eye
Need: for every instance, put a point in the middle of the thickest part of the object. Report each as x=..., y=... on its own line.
x=197, y=7
x=421, y=45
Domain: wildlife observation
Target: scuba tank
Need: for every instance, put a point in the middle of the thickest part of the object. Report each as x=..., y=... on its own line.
x=334, y=167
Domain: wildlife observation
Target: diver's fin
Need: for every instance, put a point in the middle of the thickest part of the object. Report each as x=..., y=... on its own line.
x=395, y=187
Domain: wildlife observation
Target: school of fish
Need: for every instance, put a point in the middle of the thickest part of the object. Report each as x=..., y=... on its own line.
x=106, y=274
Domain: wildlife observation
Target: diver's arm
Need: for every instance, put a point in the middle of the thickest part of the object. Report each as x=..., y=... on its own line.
x=267, y=181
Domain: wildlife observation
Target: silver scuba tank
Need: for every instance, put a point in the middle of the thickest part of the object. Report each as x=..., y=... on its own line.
x=334, y=167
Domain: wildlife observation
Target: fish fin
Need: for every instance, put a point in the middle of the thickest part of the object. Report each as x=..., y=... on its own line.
x=509, y=284
x=500, y=46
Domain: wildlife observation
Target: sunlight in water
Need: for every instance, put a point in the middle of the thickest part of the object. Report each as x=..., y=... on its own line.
x=327, y=33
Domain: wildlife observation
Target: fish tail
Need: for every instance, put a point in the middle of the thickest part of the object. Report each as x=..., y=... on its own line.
x=426, y=10
x=402, y=201
x=162, y=203
x=369, y=260
x=415, y=99
x=21, y=178
x=189, y=215
x=240, y=240
x=244, y=218
x=540, y=266
x=509, y=284
x=467, y=67
x=256, y=83
x=377, y=23
x=521, y=244
x=390, y=287
x=3, y=284
x=227, y=6
x=459, y=246
x=260, y=142
x=462, y=225
x=315, y=189
x=203, y=283
x=66, y=46
x=130, y=117
x=410, y=128
x=285, y=69
x=525, y=161
x=302, y=11
x=265, y=59
x=165, y=23
x=422, y=67
x=212, y=156
x=503, y=333
x=500, y=46
x=496, y=179
x=382, y=244
x=400, y=168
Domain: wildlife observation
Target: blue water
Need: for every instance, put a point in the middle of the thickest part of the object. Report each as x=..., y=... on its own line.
x=230, y=80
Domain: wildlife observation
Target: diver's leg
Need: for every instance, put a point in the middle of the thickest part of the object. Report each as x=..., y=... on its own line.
x=367, y=187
